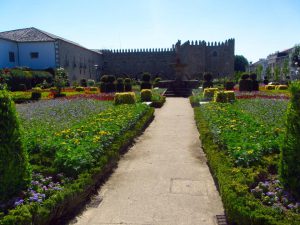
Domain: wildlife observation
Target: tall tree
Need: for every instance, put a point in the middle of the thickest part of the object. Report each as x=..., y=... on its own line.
x=277, y=73
x=286, y=68
x=240, y=63
x=259, y=70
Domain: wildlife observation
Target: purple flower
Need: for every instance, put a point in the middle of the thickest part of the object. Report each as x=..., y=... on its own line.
x=270, y=194
x=19, y=202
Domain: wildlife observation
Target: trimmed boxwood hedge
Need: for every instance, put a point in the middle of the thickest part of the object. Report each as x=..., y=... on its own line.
x=60, y=205
x=240, y=205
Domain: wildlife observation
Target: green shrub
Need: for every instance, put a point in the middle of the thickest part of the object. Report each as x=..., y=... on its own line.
x=220, y=96
x=146, y=95
x=110, y=85
x=90, y=82
x=245, y=84
x=79, y=89
x=36, y=93
x=128, y=85
x=290, y=150
x=156, y=81
x=125, y=98
x=229, y=85
x=83, y=82
x=93, y=89
x=14, y=166
x=207, y=81
x=209, y=93
x=120, y=85
x=21, y=87
x=230, y=96
x=146, y=85
x=146, y=77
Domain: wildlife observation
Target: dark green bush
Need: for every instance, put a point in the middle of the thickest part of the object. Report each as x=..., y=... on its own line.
x=290, y=150
x=120, y=85
x=146, y=85
x=21, y=87
x=36, y=95
x=14, y=166
x=229, y=85
x=245, y=83
x=146, y=95
x=128, y=85
x=104, y=78
x=110, y=85
x=83, y=82
x=102, y=87
x=207, y=81
x=255, y=84
x=146, y=77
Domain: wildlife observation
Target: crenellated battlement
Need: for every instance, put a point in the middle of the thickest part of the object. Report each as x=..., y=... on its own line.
x=209, y=44
x=140, y=50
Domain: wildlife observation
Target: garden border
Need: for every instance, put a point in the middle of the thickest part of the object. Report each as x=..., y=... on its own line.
x=61, y=206
x=240, y=206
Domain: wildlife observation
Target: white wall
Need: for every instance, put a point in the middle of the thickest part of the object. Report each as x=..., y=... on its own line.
x=46, y=53
x=5, y=48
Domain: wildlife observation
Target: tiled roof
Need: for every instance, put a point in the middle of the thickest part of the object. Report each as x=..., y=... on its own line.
x=26, y=35
x=33, y=34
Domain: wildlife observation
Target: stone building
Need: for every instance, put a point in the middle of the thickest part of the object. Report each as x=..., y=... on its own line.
x=37, y=49
x=198, y=56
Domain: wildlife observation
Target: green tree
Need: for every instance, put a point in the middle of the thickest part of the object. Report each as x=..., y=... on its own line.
x=286, y=68
x=259, y=70
x=14, y=166
x=268, y=72
x=240, y=63
x=276, y=73
x=60, y=79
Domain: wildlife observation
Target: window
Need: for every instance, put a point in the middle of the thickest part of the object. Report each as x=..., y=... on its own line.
x=11, y=56
x=34, y=55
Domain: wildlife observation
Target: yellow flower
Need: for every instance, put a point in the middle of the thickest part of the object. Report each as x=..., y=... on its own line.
x=250, y=152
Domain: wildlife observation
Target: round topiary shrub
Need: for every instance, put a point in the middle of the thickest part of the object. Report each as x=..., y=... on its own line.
x=128, y=85
x=83, y=82
x=91, y=82
x=229, y=85
x=146, y=95
x=146, y=77
x=255, y=84
x=125, y=98
x=120, y=85
x=290, y=150
x=36, y=93
x=146, y=85
x=245, y=84
x=15, y=171
x=207, y=81
x=110, y=86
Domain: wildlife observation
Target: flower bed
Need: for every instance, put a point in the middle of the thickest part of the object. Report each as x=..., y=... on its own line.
x=241, y=141
x=85, y=150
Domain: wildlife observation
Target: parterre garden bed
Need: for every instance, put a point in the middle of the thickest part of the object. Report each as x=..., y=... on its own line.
x=72, y=145
x=242, y=143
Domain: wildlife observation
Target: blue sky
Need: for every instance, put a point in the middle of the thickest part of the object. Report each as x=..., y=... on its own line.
x=260, y=27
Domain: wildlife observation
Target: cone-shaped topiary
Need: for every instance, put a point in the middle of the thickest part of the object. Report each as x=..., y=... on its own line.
x=14, y=166
x=290, y=149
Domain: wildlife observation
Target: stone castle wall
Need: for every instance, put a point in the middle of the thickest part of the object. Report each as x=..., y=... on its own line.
x=198, y=56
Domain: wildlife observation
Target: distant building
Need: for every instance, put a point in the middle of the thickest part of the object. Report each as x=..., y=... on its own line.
x=277, y=59
x=37, y=49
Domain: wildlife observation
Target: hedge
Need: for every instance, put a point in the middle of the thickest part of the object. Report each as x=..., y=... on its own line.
x=241, y=207
x=60, y=205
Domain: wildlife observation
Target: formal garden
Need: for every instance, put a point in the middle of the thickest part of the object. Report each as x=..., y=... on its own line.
x=60, y=141
x=250, y=135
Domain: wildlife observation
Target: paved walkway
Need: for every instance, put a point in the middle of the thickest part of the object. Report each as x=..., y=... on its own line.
x=162, y=180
